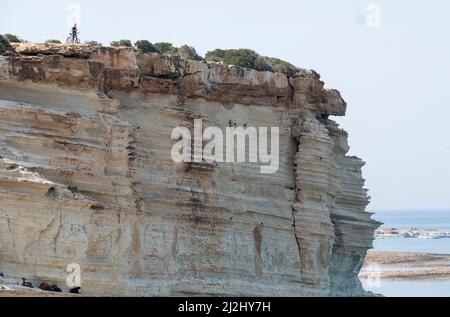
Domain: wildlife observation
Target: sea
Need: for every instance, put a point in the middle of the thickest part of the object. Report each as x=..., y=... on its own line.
x=421, y=219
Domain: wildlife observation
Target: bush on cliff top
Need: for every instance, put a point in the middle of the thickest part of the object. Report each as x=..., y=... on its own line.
x=165, y=48
x=250, y=59
x=126, y=43
x=13, y=38
x=93, y=43
x=145, y=46
x=240, y=57
x=184, y=51
x=188, y=52
x=53, y=41
x=278, y=65
x=4, y=44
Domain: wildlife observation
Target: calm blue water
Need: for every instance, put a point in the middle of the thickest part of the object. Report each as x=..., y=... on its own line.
x=419, y=219
x=440, y=246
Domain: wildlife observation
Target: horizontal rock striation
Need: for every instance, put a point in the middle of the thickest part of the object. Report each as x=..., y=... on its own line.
x=86, y=177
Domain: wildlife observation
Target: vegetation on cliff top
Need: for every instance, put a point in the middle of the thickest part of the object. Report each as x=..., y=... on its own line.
x=13, y=38
x=240, y=57
x=165, y=48
x=145, y=46
x=184, y=51
x=188, y=52
x=278, y=65
x=250, y=59
x=93, y=43
x=4, y=44
x=53, y=41
x=126, y=43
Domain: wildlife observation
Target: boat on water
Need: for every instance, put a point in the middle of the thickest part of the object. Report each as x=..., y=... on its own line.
x=430, y=235
x=412, y=233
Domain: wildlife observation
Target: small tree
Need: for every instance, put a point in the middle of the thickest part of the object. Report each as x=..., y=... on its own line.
x=188, y=52
x=53, y=41
x=4, y=44
x=165, y=48
x=13, y=38
x=145, y=46
x=126, y=43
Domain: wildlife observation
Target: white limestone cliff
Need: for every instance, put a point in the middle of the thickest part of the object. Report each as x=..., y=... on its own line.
x=86, y=177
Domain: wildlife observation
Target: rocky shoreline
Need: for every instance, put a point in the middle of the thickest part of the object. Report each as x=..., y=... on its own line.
x=402, y=266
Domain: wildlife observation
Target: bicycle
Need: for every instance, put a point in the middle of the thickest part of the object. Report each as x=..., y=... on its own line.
x=73, y=38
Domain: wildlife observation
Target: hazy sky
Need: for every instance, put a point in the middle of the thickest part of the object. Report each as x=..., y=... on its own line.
x=395, y=77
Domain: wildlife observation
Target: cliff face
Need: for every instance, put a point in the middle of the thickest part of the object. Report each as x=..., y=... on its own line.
x=86, y=177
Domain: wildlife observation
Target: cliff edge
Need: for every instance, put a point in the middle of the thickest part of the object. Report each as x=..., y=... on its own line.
x=86, y=177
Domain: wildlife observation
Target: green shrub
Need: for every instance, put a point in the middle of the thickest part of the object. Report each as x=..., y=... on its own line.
x=73, y=189
x=4, y=44
x=165, y=48
x=281, y=66
x=263, y=64
x=188, y=52
x=126, y=43
x=239, y=57
x=13, y=38
x=93, y=43
x=53, y=41
x=250, y=59
x=145, y=46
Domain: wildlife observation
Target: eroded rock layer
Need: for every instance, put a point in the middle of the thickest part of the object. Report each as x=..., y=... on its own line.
x=86, y=177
